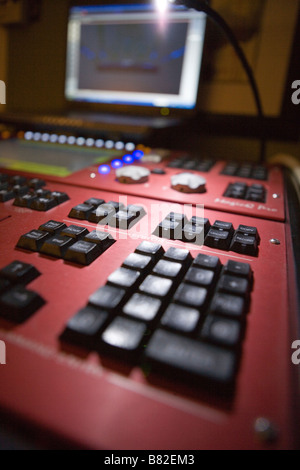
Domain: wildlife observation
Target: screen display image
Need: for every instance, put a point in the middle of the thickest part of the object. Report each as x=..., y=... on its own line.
x=131, y=55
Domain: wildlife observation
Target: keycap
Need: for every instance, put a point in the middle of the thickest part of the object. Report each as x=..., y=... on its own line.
x=6, y=195
x=219, y=239
x=103, y=239
x=43, y=204
x=228, y=305
x=124, y=337
x=3, y=177
x=53, y=227
x=169, y=229
x=250, y=231
x=25, y=201
x=75, y=232
x=36, y=183
x=191, y=296
x=56, y=246
x=238, y=269
x=4, y=285
x=125, y=278
x=82, y=252
x=102, y=214
x=201, y=222
x=169, y=269
x=43, y=193
x=85, y=327
x=178, y=255
x=226, y=226
x=18, y=304
x=81, y=212
x=244, y=244
x=207, y=262
x=193, y=234
x=107, y=297
x=18, y=272
x=93, y=201
x=200, y=277
x=20, y=190
x=123, y=220
x=17, y=179
x=174, y=217
x=190, y=359
x=138, y=262
x=221, y=331
x=33, y=240
x=142, y=307
x=118, y=206
x=3, y=186
x=156, y=286
x=150, y=249
x=234, y=285
x=138, y=211
x=59, y=197
x=181, y=318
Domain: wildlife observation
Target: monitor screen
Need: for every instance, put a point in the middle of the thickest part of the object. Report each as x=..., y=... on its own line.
x=132, y=55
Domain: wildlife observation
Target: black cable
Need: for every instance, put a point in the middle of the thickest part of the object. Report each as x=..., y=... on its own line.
x=203, y=6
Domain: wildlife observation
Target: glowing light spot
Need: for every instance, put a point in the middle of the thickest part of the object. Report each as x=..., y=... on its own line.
x=117, y=163
x=104, y=169
x=138, y=154
x=128, y=159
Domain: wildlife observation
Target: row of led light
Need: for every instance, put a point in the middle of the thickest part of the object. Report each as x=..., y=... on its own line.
x=127, y=159
x=79, y=141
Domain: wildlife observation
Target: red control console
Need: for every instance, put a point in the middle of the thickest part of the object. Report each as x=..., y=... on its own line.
x=144, y=314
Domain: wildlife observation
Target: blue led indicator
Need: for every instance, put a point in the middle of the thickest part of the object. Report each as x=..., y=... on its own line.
x=104, y=169
x=138, y=154
x=117, y=163
x=128, y=159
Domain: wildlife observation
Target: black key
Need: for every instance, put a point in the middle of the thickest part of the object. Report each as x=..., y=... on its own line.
x=157, y=286
x=244, y=244
x=36, y=183
x=193, y=234
x=43, y=193
x=102, y=214
x=222, y=331
x=4, y=285
x=81, y=211
x=201, y=222
x=228, y=305
x=124, y=337
x=142, y=307
x=107, y=297
x=59, y=197
x=238, y=269
x=20, y=190
x=125, y=278
x=93, y=201
x=181, y=318
x=154, y=250
x=33, y=240
x=174, y=217
x=138, y=262
x=207, y=262
x=56, y=246
x=18, y=180
x=25, y=201
x=169, y=269
x=75, y=232
x=6, y=195
x=192, y=296
x=244, y=171
x=226, y=226
x=53, y=227
x=191, y=359
x=230, y=169
x=103, y=239
x=178, y=255
x=200, y=277
x=247, y=230
x=19, y=273
x=3, y=186
x=3, y=177
x=158, y=171
x=18, y=304
x=219, y=239
x=138, y=211
x=82, y=253
x=43, y=204
x=255, y=197
x=172, y=230
x=234, y=285
x=123, y=220
x=85, y=327
x=118, y=206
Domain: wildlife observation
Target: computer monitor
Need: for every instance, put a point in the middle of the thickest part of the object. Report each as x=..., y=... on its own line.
x=130, y=55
